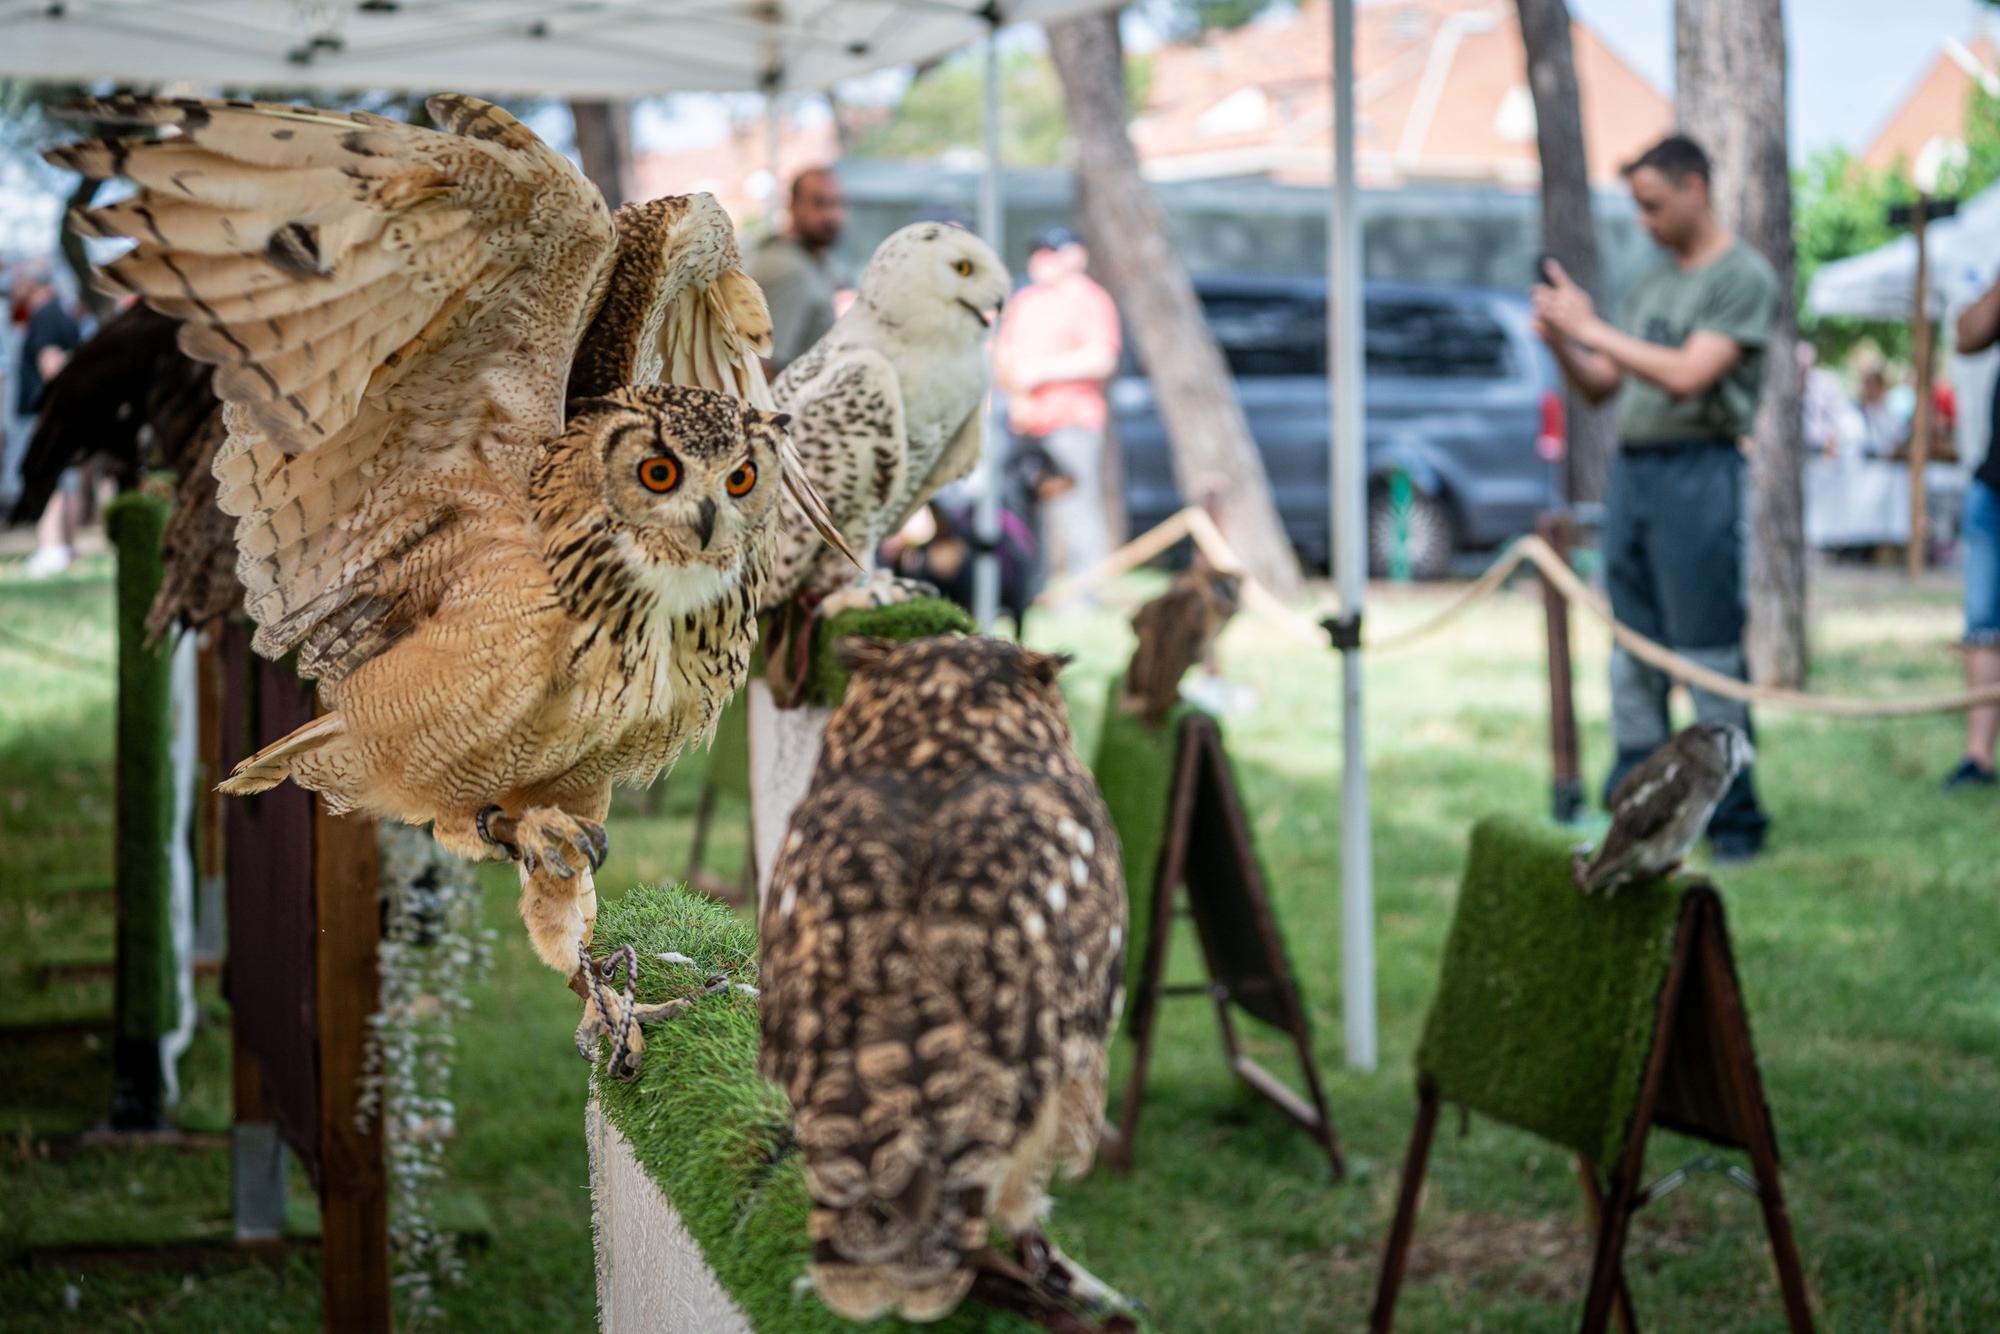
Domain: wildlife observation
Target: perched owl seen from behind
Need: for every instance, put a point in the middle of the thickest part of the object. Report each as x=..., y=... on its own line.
x=942, y=950
x=520, y=568
x=1176, y=630
x=1661, y=807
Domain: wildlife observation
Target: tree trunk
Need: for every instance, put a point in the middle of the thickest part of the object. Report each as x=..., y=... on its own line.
x=1215, y=460
x=1730, y=96
x=1568, y=223
x=604, y=143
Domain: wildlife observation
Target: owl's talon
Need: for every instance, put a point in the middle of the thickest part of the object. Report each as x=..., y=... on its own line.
x=599, y=843
x=497, y=828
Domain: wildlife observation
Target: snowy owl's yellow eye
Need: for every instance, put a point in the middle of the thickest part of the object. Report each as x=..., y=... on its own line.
x=659, y=475
x=963, y=268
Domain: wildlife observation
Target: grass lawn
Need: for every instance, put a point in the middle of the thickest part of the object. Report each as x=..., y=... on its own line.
x=1865, y=941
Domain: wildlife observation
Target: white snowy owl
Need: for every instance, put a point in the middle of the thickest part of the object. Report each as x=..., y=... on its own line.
x=886, y=409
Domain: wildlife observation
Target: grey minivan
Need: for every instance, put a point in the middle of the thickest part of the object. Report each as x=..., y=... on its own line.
x=1463, y=402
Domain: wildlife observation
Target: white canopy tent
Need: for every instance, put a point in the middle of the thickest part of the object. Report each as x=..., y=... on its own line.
x=1964, y=260
x=1880, y=285
x=596, y=49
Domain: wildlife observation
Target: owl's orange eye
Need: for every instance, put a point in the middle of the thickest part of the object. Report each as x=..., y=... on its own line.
x=659, y=475
x=740, y=481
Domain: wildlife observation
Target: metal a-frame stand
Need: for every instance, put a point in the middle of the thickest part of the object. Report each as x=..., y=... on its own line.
x=1701, y=1079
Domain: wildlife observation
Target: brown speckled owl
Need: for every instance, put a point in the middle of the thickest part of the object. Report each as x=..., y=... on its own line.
x=1662, y=806
x=1176, y=630
x=941, y=947
x=520, y=569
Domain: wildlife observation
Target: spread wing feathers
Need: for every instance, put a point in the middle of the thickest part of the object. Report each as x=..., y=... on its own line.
x=127, y=395
x=391, y=312
x=847, y=427
x=198, y=550
x=679, y=309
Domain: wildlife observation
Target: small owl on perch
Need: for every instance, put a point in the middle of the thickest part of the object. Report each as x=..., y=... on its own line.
x=1661, y=807
x=1176, y=630
x=943, y=946
x=520, y=568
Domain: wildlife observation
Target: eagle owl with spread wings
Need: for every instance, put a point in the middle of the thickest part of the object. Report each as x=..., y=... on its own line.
x=505, y=467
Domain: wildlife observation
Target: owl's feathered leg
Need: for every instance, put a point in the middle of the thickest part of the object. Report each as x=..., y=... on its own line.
x=1042, y=1284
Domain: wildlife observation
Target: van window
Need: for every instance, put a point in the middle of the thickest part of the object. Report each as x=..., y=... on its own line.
x=1266, y=335
x=1435, y=340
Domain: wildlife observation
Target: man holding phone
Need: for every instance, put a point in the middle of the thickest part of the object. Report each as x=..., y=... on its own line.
x=1685, y=361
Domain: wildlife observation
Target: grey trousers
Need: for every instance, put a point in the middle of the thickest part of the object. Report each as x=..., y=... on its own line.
x=1073, y=524
x=1674, y=566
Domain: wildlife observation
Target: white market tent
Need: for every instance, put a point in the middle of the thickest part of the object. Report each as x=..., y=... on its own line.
x=1881, y=284
x=598, y=49
x=1964, y=260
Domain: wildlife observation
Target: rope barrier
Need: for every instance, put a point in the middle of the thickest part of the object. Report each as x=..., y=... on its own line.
x=1195, y=524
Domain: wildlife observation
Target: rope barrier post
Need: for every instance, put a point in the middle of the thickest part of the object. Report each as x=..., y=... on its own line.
x=1566, y=799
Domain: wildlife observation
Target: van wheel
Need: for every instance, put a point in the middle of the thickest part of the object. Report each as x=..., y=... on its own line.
x=1427, y=535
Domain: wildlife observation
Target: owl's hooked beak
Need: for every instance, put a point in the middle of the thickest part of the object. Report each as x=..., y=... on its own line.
x=704, y=524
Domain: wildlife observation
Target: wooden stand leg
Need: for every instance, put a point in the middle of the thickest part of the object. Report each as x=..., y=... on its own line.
x=354, y=1197
x=1593, y=1198
x=1733, y=1025
x=1390, y=1282
x=1566, y=781
x=1120, y=1151
x=1616, y=1220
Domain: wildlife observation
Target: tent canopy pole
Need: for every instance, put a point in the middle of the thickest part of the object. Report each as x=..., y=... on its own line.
x=1350, y=559
x=992, y=224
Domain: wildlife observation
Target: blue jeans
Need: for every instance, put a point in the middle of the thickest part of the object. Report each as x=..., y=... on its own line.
x=1981, y=528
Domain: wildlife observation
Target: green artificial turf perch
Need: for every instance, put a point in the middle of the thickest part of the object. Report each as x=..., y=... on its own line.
x=1546, y=998
x=712, y=1135
x=826, y=678
x=1134, y=768
x=148, y=1001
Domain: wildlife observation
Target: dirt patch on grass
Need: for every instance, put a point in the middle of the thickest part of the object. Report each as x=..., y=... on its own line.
x=1545, y=1256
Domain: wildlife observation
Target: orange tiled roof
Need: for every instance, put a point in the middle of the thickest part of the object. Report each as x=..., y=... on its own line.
x=1441, y=94
x=1932, y=117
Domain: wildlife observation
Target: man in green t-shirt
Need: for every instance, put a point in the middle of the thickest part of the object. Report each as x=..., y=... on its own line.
x=1686, y=363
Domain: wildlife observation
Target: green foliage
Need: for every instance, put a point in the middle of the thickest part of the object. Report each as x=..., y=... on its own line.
x=1840, y=208
x=944, y=109
x=1545, y=1001
x=1188, y=20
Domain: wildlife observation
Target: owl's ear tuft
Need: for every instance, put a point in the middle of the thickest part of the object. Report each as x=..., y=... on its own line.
x=1045, y=667
x=777, y=421
x=859, y=653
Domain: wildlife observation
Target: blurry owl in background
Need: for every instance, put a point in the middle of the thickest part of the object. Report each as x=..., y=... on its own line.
x=942, y=948
x=1662, y=806
x=1176, y=630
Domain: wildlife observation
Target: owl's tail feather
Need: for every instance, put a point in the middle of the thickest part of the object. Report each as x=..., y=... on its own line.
x=273, y=764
